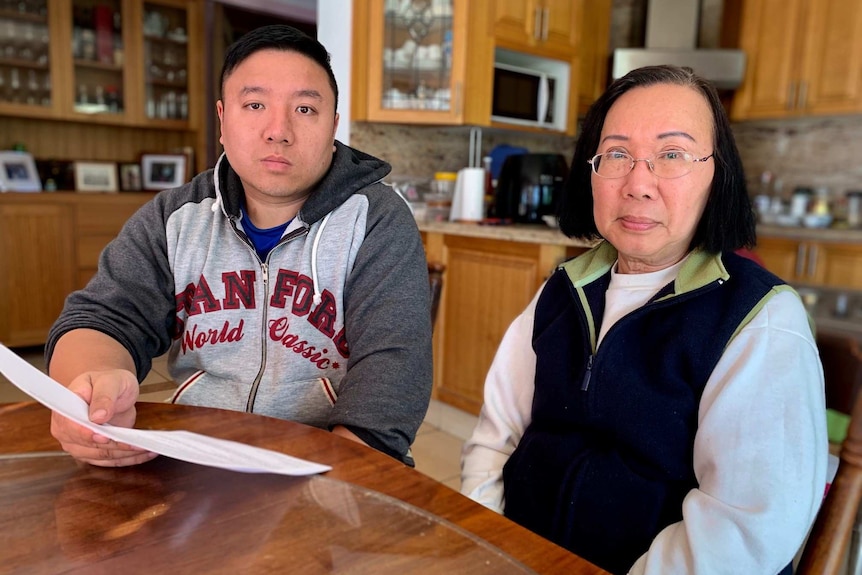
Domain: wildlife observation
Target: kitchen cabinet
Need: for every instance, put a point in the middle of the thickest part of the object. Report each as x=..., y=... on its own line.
x=813, y=262
x=116, y=62
x=547, y=28
x=487, y=283
x=36, y=256
x=421, y=62
x=398, y=76
x=594, y=53
x=49, y=246
x=29, y=60
x=804, y=57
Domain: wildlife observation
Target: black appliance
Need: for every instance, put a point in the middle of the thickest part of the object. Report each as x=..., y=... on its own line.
x=530, y=187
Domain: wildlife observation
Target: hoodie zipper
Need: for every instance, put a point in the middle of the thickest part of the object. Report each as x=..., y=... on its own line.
x=264, y=272
x=252, y=394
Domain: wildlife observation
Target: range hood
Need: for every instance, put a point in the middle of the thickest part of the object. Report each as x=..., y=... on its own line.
x=671, y=38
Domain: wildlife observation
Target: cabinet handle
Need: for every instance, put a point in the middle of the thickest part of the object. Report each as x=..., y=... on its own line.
x=803, y=95
x=537, y=23
x=791, y=96
x=812, y=262
x=800, y=260
x=459, y=89
x=546, y=17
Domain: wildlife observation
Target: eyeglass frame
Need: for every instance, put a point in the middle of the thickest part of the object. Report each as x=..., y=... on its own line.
x=649, y=162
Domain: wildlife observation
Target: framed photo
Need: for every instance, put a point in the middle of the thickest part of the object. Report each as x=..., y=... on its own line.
x=95, y=177
x=163, y=171
x=130, y=177
x=18, y=172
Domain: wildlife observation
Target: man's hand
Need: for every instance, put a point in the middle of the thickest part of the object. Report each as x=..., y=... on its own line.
x=111, y=396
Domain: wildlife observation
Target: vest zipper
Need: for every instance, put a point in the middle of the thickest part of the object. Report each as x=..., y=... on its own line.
x=585, y=384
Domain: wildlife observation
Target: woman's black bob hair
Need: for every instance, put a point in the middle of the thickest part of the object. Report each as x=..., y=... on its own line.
x=728, y=221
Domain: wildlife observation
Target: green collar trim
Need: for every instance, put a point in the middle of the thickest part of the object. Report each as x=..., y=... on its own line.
x=700, y=269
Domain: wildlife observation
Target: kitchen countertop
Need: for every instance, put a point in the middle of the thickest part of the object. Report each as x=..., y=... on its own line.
x=541, y=234
x=845, y=235
x=528, y=233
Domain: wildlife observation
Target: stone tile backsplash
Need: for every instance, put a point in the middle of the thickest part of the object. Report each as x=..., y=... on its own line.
x=810, y=152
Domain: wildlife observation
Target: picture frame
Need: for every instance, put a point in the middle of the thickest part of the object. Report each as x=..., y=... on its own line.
x=95, y=177
x=163, y=171
x=130, y=177
x=18, y=172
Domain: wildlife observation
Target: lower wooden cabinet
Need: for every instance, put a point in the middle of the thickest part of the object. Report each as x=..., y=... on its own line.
x=487, y=283
x=815, y=263
x=49, y=246
x=37, y=259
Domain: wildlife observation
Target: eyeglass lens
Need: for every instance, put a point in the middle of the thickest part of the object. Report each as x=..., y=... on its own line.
x=664, y=165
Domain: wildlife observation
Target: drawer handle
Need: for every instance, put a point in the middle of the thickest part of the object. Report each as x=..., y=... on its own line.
x=800, y=260
x=812, y=262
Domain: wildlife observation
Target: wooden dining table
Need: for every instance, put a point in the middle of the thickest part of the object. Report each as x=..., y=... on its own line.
x=369, y=514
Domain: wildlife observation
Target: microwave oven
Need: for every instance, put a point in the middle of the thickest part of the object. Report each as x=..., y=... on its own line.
x=529, y=90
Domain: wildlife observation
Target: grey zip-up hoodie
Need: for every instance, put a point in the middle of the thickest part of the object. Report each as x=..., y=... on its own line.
x=332, y=329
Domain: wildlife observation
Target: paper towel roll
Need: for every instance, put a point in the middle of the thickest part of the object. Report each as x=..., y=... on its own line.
x=468, y=203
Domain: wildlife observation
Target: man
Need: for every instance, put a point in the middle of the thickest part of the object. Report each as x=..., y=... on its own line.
x=287, y=281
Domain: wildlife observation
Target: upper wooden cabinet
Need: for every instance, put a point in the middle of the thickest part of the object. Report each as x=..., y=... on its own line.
x=548, y=28
x=594, y=53
x=119, y=62
x=804, y=57
x=421, y=62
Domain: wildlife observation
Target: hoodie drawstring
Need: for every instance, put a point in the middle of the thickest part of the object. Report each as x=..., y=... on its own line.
x=217, y=203
x=317, y=298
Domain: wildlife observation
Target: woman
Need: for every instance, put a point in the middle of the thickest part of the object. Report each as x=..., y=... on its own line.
x=659, y=406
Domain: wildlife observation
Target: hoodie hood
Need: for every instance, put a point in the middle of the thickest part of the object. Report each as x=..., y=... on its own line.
x=351, y=171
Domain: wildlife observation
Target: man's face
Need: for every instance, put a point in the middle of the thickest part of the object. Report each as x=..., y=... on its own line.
x=278, y=125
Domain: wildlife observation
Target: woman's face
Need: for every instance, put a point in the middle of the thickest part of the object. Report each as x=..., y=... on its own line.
x=648, y=219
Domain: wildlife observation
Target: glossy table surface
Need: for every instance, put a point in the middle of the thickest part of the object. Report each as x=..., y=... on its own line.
x=370, y=514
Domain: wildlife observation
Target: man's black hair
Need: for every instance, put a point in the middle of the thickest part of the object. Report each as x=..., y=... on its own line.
x=277, y=37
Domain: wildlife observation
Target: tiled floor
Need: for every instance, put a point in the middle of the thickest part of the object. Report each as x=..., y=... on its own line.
x=437, y=449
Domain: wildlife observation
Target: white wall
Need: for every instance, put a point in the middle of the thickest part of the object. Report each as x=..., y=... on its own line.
x=334, y=30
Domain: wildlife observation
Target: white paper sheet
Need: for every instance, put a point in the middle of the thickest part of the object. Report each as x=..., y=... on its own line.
x=183, y=445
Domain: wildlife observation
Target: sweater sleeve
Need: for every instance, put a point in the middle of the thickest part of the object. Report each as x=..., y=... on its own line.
x=760, y=454
x=385, y=392
x=505, y=413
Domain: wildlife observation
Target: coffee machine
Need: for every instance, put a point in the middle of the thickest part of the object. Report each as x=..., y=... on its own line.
x=530, y=187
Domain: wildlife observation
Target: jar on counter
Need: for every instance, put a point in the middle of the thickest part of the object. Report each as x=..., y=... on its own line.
x=444, y=183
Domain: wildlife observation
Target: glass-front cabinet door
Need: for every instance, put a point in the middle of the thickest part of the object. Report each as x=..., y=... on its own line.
x=98, y=56
x=26, y=67
x=166, y=61
x=416, y=55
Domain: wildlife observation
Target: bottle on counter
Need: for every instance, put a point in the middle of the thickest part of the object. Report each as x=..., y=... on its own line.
x=799, y=202
x=854, y=208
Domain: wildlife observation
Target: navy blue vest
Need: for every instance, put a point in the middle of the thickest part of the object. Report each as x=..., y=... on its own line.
x=607, y=459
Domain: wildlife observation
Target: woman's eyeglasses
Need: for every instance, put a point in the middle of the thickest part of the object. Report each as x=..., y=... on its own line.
x=668, y=165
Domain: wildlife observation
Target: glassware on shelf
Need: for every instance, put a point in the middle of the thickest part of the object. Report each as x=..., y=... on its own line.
x=417, y=55
x=97, y=48
x=166, y=62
